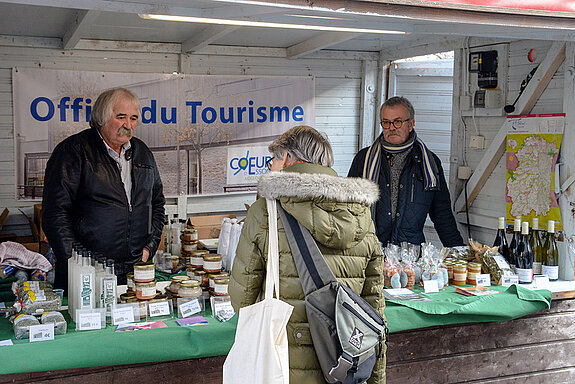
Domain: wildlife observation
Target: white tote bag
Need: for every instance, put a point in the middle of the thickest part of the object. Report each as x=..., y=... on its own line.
x=260, y=351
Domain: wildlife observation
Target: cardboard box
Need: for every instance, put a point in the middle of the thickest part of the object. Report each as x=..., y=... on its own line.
x=208, y=227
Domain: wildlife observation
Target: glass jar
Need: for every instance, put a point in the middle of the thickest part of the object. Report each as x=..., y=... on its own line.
x=190, y=289
x=449, y=266
x=189, y=234
x=197, y=259
x=460, y=273
x=175, y=260
x=202, y=276
x=130, y=282
x=221, y=286
x=146, y=291
x=143, y=308
x=189, y=246
x=144, y=272
x=175, y=282
x=213, y=263
x=473, y=269
x=128, y=297
x=190, y=272
x=213, y=276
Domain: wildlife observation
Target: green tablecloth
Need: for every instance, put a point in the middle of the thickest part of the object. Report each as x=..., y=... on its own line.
x=106, y=347
x=448, y=307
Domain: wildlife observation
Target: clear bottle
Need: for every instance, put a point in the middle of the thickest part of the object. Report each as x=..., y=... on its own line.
x=536, y=243
x=551, y=254
x=100, y=272
x=85, y=288
x=524, y=256
x=167, y=236
x=109, y=288
x=501, y=240
x=515, y=242
x=175, y=236
x=73, y=265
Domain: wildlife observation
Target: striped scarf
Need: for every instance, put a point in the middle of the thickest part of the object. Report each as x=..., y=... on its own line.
x=373, y=158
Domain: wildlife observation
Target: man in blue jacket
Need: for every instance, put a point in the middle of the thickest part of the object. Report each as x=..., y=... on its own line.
x=410, y=179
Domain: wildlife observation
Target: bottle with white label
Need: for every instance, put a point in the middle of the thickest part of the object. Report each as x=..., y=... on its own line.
x=524, y=256
x=85, y=284
x=73, y=264
x=551, y=254
x=501, y=240
x=100, y=268
x=109, y=288
x=536, y=243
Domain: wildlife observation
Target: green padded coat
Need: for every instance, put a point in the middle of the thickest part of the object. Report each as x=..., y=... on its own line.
x=336, y=211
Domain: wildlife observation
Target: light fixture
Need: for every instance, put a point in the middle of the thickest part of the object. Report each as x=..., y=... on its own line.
x=244, y=23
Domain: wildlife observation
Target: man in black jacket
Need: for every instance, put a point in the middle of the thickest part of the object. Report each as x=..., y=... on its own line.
x=102, y=189
x=410, y=179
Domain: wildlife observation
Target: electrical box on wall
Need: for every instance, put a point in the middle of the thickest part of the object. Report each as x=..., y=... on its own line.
x=485, y=85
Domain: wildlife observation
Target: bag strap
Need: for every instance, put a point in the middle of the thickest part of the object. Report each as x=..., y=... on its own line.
x=272, y=268
x=312, y=269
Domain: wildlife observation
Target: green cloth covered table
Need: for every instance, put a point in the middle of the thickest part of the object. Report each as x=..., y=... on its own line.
x=78, y=349
x=448, y=307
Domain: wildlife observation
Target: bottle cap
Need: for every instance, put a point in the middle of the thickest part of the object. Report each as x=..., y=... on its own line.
x=501, y=224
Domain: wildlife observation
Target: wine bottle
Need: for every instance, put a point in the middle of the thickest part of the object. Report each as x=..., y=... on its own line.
x=536, y=243
x=501, y=240
x=524, y=256
x=515, y=242
x=550, y=266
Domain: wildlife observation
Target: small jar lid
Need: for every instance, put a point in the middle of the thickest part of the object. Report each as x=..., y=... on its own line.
x=200, y=272
x=143, y=265
x=223, y=280
x=179, y=278
x=190, y=284
x=146, y=284
x=212, y=257
x=474, y=265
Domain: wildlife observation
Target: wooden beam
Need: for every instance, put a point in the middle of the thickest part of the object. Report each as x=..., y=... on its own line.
x=318, y=42
x=206, y=36
x=82, y=20
x=527, y=100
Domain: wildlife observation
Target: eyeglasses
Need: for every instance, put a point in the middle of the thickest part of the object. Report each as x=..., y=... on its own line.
x=269, y=163
x=396, y=123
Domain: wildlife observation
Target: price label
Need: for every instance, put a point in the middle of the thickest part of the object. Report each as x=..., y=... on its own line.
x=541, y=282
x=159, y=309
x=122, y=315
x=89, y=321
x=430, y=286
x=223, y=311
x=190, y=308
x=6, y=342
x=41, y=332
x=483, y=280
x=509, y=280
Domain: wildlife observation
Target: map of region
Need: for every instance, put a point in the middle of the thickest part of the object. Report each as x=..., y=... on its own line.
x=529, y=184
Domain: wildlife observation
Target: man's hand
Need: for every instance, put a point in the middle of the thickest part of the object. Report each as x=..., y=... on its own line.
x=145, y=254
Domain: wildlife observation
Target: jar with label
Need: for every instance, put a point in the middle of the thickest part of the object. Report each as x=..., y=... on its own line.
x=202, y=276
x=144, y=272
x=190, y=289
x=449, y=266
x=146, y=291
x=221, y=286
x=175, y=282
x=143, y=308
x=197, y=259
x=213, y=276
x=189, y=234
x=460, y=273
x=185, y=259
x=128, y=297
x=189, y=246
x=175, y=260
x=212, y=263
x=473, y=269
x=130, y=282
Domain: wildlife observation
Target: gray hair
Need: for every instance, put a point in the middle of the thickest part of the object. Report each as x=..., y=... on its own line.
x=399, y=100
x=303, y=143
x=104, y=105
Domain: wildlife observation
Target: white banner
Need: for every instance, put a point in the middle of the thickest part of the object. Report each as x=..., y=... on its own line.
x=188, y=121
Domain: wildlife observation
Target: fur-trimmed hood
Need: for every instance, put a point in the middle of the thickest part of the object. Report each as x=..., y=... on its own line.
x=274, y=185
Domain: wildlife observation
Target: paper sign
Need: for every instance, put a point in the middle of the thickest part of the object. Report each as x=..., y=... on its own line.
x=122, y=315
x=223, y=311
x=430, y=286
x=509, y=280
x=6, y=342
x=483, y=280
x=41, y=332
x=159, y=309
x=541, y=282
x=89, y=321
x=190, y=308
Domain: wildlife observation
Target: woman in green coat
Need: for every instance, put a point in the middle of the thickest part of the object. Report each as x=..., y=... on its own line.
x=336, y=211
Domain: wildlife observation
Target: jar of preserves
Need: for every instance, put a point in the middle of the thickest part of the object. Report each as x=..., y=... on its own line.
x=143, y=308
x=473, y=269
x=190, y=289
x=146, y=291
x=189, y=234
x=221, y=286
x=190, y=272
x=175, y=282
x=130, y=282
x=449, y=266
x=189, y=246
x=213, y=276
x=144, y=272
x=212, y=263
x=175, y=260
x=197, y=259
x=128, y=297
x=202, y=276
x=460, y=273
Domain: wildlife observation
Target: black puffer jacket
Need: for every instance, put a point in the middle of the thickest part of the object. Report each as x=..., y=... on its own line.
x=84, y=200
x=413, y=205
